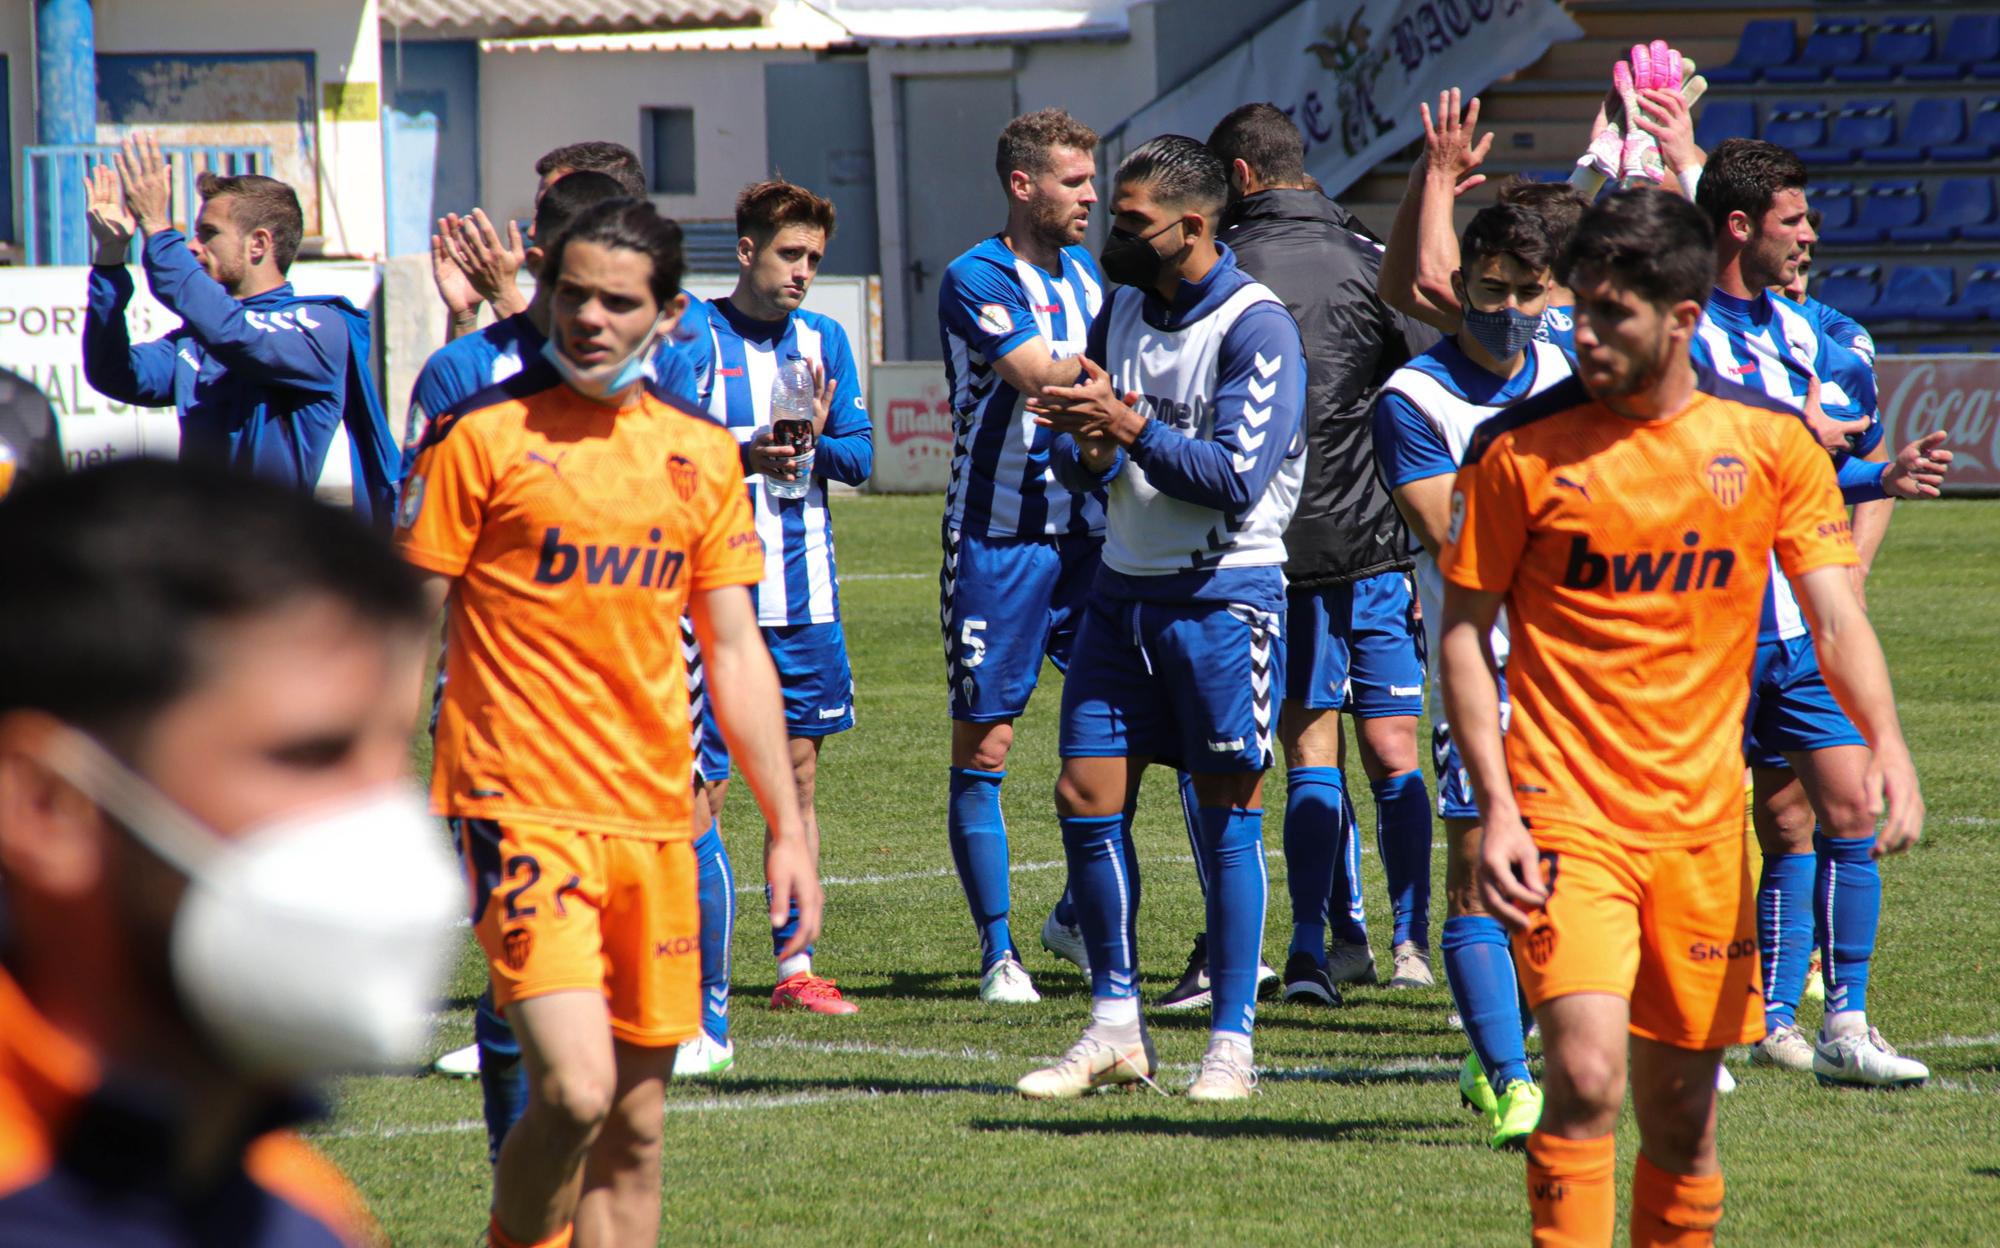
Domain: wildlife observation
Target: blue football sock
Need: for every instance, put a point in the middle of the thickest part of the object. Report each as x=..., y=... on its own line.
x=1480, y=967
x=1065, y=913
x=503, y=1081
x=1191, y=820
x=715, y=887
x=1403, y=835
x=978, y=835
x=1312, y=844
x=1104, y=880
x=779, y=935
x=1346, y=915
x=1238, y=889
x=1785, y=932
x=1847, y=892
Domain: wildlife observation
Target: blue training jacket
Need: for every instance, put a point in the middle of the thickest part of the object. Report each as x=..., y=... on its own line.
x=260, y=383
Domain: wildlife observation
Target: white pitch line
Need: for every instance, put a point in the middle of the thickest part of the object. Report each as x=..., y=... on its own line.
x=888, y=576
x=706, y=1105
x=876, y=1050
x=945, y=873
x=1973, y=821
x=1956, y=1042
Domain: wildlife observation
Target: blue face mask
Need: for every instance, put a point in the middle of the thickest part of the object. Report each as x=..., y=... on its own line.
x=1504, y=333
x=602, y=381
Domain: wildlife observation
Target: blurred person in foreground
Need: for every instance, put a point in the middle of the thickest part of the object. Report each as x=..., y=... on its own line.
x=219, y=887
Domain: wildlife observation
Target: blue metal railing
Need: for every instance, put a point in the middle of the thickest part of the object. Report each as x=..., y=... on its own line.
x=55, y=228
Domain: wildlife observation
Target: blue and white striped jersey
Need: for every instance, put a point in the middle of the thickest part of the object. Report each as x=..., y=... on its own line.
x=1198, y=507
x=1771, y=344
x=799, y=585
x=1424, y=418
x=1558, y=328
x=990, y=302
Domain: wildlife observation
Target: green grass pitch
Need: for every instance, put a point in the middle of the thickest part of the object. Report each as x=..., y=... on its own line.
x=899, y=1124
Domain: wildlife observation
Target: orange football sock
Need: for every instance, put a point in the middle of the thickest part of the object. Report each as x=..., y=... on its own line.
x=1674, y=1210
x=1573, y=1190
x=500, y=1239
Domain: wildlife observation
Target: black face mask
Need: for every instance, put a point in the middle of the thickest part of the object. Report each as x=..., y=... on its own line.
x=1129, y=259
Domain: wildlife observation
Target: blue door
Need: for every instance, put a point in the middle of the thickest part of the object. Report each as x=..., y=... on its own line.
x=430, y=137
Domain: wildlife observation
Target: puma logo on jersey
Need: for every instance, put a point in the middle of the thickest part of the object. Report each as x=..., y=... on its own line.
x=1647, y=571
x=656, y=567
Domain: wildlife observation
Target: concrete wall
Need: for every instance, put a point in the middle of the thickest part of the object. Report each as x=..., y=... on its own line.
x=343, y=35
x=530, y=102
x=1101, y=82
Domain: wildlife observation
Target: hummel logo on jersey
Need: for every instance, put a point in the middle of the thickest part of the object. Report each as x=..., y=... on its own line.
x=1226, y=747
x=1647, y=571
x=832, y=712
x=657, y=567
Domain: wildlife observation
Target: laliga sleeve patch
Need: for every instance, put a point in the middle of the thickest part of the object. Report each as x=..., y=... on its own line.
x=1457, y=524
x=412, y=503
x=995, y=319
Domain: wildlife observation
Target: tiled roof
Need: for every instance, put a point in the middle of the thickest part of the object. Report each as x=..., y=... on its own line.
x=548, y=16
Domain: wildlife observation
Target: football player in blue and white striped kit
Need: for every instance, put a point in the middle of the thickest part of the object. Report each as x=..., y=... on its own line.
x=1019, y=549
x=1806, y=757
x=782, y=233
x=1424, y=419
x=1190, y=418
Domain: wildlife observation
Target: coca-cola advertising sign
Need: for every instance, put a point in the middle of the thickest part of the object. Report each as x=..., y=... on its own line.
x=913, y=428
x=1959, y=394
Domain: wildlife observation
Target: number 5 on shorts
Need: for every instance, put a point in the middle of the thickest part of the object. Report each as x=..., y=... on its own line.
x=975, y=647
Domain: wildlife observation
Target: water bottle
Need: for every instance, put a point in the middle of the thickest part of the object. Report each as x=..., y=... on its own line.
x=792, y=414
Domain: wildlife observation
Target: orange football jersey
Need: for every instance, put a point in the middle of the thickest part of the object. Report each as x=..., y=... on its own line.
x=1634, y=558
x=574, y=535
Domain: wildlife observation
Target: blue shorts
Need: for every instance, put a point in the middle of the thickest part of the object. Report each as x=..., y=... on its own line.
x=1791, y=710
x=1192, y=684
x=710, y=753
x=1454, y=783
x=813, y=670
x=1356, y=648
x=1004, y=605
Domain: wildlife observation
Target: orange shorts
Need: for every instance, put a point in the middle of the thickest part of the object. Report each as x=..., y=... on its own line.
x=558, y=910
x=1673, y=931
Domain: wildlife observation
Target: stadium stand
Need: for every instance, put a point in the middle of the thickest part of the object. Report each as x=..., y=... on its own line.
x=1897, y=107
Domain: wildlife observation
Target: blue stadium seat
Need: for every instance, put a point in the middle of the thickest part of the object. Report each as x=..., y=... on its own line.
x=1944, y=348
x=1973, y=39
x=1836, y=204
x=1850, y=288
x=1921, y=292
x=1886, y=210
x=1896, y=43
x=1834, y=42
x=1796, y=124
x=1766, y=42
x=1725, y=119
x=1962, y=204
x=1982, y=137
x=1982, y=291
x=1935, y=124
x=1864, y=124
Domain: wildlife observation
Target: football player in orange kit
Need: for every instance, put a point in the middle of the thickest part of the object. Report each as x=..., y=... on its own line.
x=572, y=519
x=1626, y=520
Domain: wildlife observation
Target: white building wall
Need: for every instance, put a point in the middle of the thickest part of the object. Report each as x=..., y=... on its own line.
x=530, y=102
x=343, y=35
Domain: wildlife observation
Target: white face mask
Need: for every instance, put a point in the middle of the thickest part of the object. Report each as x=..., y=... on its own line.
x=604, y=381
x=311, y=945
